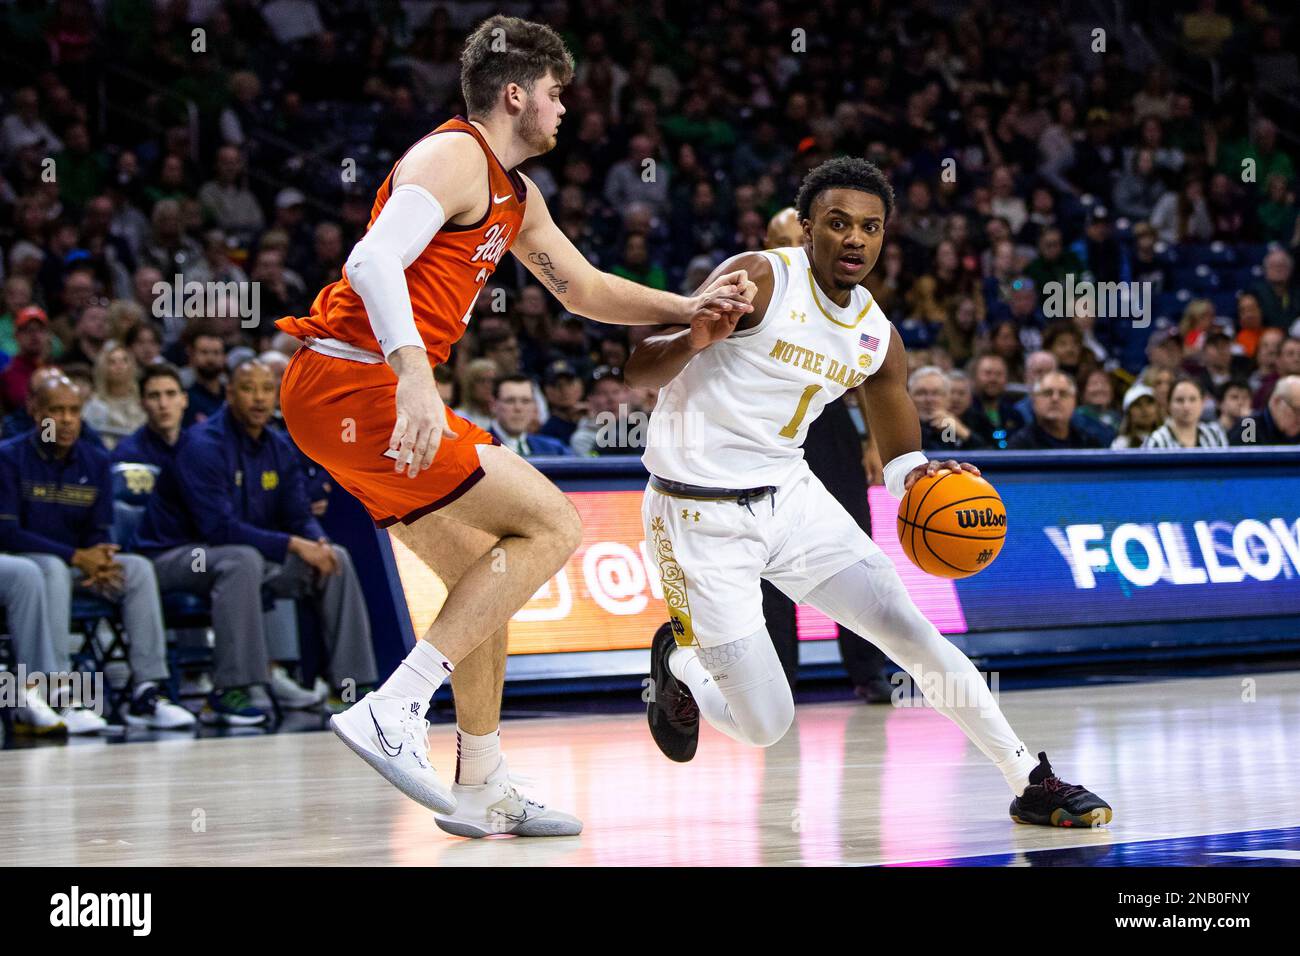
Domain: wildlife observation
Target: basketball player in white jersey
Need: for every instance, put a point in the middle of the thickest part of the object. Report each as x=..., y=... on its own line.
x=730, y=499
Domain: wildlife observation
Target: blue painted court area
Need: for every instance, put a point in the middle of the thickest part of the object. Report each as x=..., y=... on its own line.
x=1242, y=848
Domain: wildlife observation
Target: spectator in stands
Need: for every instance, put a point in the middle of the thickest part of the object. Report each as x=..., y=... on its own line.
x=1097, y=412
x=607, y=429
x=1278, y=296
x=56, y=507
x=1054, y=261
x=24, y=127
x=32, y=332
x=163, y=401
x=1144, y=264
x=17, y=296
x=993, y=414
x=959, y=331
x=1160, y=381
x=1065, y=342
x=564, y=400
x=1004, y=340
x=89, y=335
x=514, y=409
x=1184, y=216
x=1099, y=250
x=1233, y=401
x=1184, y=428
x=1250, y=323
x=928, y=387
x=936, y=295
x=1198, y=318
x=1052, y=428
x=205, y=370
x=887, y=282
x=114, y=409
x=1140, y=187
x=1165, y=350
x=170, y=249
x=1141, y=417
x=627, y=183
x=1278, y=423
x=1265, y=374
x=326, y=263
x=1277, y=214
x=235, y=491
x=1217, y=365
x=145, y=344
x=476, y=396
x=76, y=291
x=226, y=199
x=1037, y=365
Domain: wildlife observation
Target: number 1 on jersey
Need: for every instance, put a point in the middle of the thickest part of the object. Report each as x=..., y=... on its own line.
x=792, y=427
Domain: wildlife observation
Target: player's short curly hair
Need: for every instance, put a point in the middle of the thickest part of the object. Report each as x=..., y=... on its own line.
x=504, y=50
x=844, y=172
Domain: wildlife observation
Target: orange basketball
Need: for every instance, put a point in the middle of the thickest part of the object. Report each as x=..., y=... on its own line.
x=952, y=524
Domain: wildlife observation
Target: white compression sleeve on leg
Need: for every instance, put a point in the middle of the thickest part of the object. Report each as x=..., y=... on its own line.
x=377, y=266
x=750, y=678
x=869, y=598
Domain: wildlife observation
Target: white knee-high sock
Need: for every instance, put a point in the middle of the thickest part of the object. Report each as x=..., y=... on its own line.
x=686, y=667
x=869, y=598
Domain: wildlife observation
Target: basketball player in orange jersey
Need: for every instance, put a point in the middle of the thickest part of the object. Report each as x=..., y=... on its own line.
x=731, y=500
x=360, y=400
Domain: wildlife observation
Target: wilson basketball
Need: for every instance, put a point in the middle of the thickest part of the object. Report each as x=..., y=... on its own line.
x=952, y=524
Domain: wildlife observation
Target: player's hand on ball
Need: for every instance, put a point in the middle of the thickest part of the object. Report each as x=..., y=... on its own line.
x=934, y=467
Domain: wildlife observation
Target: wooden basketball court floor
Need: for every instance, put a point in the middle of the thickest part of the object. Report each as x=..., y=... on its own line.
x=1199, y=771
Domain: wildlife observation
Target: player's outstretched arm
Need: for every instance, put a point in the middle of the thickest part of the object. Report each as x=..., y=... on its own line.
x=585, y=290
x=660, y=358
x=896, y=426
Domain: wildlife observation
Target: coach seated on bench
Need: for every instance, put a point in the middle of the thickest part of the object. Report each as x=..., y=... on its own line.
x=56, y=507
x=230, y=515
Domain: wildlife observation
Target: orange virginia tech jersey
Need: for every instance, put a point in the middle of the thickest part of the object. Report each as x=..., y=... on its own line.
x=444, y=279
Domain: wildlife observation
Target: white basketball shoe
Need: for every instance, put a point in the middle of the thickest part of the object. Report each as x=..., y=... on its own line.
x=497, y=806
x=390, y=734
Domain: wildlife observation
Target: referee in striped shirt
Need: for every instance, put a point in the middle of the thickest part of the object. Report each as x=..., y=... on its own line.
x=1184, y=428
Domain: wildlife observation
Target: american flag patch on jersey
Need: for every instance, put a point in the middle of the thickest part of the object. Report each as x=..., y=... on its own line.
x=869, y=342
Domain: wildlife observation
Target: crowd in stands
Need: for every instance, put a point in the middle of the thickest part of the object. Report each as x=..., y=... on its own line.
x=148, y=146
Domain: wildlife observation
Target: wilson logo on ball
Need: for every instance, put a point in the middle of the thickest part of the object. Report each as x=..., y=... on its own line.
x=980, y=518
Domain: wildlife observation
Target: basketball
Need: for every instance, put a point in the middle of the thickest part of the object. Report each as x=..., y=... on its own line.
x=952, y=524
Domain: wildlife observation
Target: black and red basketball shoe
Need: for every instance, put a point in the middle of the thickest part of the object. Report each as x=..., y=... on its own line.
x=1051, y=802
x=673, y=715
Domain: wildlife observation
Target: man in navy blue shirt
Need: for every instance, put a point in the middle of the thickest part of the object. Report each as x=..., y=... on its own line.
x=56, y=507
x=231, y=514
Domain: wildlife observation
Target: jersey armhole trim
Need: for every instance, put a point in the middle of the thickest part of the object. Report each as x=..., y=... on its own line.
x=780, y=277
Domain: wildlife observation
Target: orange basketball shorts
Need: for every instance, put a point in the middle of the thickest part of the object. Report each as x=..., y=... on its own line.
x=341, y=413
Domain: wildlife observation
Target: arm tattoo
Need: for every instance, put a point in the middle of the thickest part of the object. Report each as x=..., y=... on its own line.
x=543, y=261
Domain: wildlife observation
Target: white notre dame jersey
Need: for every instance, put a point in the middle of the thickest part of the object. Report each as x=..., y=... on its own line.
x=737, y=414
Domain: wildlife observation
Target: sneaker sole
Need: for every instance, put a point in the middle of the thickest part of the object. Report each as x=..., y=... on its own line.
x=31, y=730
x=229, y=721
x=146, y=724
x=439, y=801
x=1063, y=818
x=530, y=828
